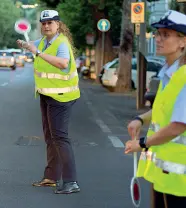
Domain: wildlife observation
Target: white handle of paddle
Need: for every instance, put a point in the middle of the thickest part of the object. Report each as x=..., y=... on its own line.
x=135, y=162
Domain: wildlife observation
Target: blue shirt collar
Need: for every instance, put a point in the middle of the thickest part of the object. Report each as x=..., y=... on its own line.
x=169, y=70
x=52, y=40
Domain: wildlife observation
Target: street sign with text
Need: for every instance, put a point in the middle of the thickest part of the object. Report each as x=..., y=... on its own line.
x=103, y=25
x=137, y=12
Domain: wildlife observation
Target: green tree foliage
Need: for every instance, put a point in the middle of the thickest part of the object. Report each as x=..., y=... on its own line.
x=8, y=14
x=80, y=16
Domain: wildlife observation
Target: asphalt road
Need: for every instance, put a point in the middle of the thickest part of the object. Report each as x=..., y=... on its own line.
x=98, y=132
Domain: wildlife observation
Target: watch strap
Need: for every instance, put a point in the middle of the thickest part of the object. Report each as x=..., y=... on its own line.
x=142, y=143
x=139, y=119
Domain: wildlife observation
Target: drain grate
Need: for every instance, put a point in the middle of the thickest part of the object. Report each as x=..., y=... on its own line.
x=29, y=141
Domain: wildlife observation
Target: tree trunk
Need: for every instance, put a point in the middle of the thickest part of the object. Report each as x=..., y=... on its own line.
x=125, y=55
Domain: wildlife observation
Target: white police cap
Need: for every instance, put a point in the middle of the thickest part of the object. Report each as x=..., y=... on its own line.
x=172, y=20
x=48, y=15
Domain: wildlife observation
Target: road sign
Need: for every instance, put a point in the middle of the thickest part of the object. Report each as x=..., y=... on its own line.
x=90, y=38
x=137, y=12
x=103, y=25
x=23, y=27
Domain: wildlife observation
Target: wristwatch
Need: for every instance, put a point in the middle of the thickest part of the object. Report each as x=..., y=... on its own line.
x=142, y=143
x=38, y=52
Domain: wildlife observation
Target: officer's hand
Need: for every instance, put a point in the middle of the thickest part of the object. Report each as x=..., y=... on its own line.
x=134, y=128
x=22, y=44
x=132, y=146
x=19, y=42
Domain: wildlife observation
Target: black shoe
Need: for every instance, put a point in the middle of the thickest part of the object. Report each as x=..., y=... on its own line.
x=68, y=188
x=45, y=182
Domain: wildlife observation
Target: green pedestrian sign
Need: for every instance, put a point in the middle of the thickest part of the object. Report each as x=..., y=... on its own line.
x=103, y=25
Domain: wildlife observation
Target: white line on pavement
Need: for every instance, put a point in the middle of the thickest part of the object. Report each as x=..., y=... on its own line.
x=4, y=84
x=116, y=142
x=103, y=126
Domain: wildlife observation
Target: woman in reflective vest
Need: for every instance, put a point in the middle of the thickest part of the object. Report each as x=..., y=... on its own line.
x=163, y=157
x=56, y=82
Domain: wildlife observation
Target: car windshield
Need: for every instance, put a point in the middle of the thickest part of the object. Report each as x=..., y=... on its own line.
x=5, y=53
x=29, y=55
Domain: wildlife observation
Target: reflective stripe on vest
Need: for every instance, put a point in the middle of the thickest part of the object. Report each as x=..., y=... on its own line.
x=55, y=76
x=56, y=90
x=171, y=167
x=151, y=156
x=179, y=139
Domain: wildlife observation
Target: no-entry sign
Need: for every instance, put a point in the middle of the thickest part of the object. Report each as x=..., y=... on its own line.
x=137, y=12
x=23, y=27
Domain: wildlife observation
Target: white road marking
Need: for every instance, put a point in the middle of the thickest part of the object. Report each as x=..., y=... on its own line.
x=116, y=142
x=103, y=126
x=4, y=84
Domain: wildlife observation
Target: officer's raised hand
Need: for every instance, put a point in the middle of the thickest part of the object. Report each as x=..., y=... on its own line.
x=134, y=128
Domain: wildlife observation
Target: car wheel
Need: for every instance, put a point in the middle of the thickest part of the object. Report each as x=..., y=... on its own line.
x=132, y=85
x=13, y=67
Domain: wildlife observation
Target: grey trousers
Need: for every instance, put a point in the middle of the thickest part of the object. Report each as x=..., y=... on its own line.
x=60, y=156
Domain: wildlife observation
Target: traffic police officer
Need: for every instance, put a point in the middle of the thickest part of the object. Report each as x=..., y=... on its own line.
x=56, y=81
x=163, y=157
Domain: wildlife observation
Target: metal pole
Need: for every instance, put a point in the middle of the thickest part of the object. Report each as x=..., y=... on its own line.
x=138, y=89
x=103, y=49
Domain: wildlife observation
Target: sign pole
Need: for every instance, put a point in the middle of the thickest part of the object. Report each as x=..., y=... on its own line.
x=103, y=49
x=138, y=68
x=103, y=25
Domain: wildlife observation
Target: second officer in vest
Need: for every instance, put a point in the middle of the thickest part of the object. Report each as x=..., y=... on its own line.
x=164, y=163
x=56, y=82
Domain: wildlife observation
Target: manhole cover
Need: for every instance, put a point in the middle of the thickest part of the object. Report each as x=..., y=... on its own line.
x=29, y=141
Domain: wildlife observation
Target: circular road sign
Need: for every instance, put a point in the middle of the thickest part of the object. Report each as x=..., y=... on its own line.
x=103, y=25
x=137, y=9
x=22, y=26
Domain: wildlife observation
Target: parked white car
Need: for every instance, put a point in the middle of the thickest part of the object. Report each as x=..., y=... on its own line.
x=110, y=75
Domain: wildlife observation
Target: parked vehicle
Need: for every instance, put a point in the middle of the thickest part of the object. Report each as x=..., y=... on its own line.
x=106, y=67
x=7, y=59
x=19, y=56
x=29, y=57
x=110, y=75
x=152, y=90
x=80, y=62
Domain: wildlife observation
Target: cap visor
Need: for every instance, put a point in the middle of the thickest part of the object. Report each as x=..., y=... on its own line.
x=49, y=19
x=157, y=25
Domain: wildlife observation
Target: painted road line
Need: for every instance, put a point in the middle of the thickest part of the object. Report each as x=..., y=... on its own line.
x=4, y=84
x=116, y=142
x=103, y=126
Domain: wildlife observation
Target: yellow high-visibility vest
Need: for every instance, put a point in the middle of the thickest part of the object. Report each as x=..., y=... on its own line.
x=167, y=167
x=52, y=81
